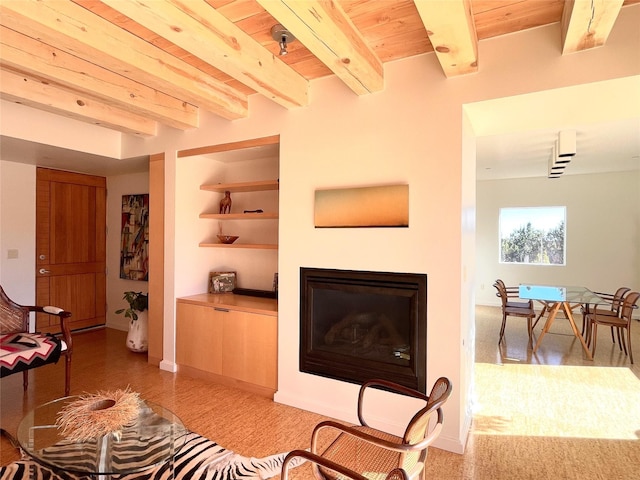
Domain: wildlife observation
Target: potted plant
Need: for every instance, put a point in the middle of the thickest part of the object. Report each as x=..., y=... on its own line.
x=137, y=337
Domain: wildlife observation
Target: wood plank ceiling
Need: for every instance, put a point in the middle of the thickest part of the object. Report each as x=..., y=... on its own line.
x=130, y=65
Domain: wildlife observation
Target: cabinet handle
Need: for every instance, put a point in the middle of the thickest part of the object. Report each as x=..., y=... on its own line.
x=220, y=309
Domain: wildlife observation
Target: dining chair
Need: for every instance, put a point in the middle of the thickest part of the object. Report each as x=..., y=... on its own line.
x=513, y=308
x=622, y=323
x=372, y=452
x=615, y=300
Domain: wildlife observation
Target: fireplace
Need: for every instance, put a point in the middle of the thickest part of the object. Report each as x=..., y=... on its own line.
x=359, y=325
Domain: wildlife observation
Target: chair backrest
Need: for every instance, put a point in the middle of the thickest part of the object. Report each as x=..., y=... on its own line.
x=417, y=428
x=420, y=428
x=502, y=293
x=628, y=305
x=13, y=317
x=500, y=283
x=618, y=299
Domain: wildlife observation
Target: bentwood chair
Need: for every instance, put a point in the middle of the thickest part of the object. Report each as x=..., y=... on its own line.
x=622, y=323
x=297, y=455
x=511, y=293
x=615, y=300
x=512, y=308
x=30, y=350
x=362, y=448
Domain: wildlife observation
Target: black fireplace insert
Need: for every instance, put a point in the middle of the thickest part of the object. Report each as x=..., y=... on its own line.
x=360, y=325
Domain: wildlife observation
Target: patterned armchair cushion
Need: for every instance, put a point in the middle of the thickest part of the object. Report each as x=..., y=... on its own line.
x=21, y=351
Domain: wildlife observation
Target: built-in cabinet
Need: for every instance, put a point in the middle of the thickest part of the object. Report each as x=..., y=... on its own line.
x=229, y=338
x=232, y=339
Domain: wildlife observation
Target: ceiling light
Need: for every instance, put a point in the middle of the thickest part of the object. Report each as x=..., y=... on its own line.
x=566, y=143
x=282, y=36
x=556, y=164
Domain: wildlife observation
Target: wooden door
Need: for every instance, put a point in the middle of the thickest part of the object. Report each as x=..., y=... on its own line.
x=71, y=247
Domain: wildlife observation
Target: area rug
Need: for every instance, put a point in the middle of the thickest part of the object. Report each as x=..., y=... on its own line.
x=198, y=459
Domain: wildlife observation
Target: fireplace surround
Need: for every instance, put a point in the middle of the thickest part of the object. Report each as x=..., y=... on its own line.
x=359, y=325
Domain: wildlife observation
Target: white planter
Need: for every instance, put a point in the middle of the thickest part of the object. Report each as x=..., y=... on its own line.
x=138, y=337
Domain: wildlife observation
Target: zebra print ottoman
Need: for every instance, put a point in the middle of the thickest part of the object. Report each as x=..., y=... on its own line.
x=198, y=459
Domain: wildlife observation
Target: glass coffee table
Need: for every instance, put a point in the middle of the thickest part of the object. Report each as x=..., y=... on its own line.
x=150, y=440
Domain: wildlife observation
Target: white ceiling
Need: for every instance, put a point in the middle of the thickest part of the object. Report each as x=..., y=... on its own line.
x=32, y=153
x=600, y=147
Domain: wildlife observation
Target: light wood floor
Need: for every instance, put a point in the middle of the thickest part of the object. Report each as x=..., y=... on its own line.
x=554, y=415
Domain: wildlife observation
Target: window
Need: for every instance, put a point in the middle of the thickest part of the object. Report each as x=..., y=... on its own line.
x=533, y=235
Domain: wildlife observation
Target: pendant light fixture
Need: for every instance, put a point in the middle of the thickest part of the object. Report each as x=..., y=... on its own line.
x=282, y=36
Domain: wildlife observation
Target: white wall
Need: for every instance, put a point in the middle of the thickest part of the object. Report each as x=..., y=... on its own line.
x=18, y=231
x=603, y=231
x=412, y=132
x=18, y=121
x=117, y=186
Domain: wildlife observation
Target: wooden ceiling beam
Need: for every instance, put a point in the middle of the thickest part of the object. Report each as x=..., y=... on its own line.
x=207, y=34
x=39, y=60
x=326, y=31
x=452, y=32
x=587, y=23
x=34, y=93
x=83, y=34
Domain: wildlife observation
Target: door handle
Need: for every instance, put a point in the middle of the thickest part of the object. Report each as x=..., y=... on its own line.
x=42, y=271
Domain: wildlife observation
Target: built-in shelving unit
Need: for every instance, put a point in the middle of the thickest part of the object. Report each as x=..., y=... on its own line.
x=240, y=216
x=241, y=187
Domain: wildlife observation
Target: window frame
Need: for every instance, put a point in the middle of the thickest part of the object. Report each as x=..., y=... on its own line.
x=537, y=217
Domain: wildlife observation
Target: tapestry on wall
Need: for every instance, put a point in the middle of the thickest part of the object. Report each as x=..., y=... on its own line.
x=134, y=249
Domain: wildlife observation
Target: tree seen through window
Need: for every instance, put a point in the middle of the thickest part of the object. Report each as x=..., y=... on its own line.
x=533, y=235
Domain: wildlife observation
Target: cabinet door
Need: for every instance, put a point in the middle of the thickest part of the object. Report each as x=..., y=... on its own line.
x=252, y=349
x=199, y=337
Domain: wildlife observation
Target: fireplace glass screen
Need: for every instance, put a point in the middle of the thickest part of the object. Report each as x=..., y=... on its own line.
x=358, y=325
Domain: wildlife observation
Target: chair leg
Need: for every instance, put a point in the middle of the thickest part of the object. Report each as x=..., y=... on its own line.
x=620, y=340
x=612, y=337
x=504, y=322
x=594, y=333
x=530, y=328
x=629, y=343
x=67, y=375
x=623, y=341
x=25, y=379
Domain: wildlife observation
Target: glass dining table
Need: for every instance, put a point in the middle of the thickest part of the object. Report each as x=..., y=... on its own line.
x=567, y=298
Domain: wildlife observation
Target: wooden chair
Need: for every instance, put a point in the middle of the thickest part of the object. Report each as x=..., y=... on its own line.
x=623, y=322
x=362, y=448
x=513, y=308
x=615, y=301
x=31, y=350
x=296, y=455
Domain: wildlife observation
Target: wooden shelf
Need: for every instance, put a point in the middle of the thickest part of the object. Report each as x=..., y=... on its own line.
x=240, y=216
x=257, y=246
x=242, y=186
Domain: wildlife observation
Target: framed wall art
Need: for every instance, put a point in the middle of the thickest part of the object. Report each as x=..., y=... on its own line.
x=382, y=206
x=134, y=247
x=222, y=282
